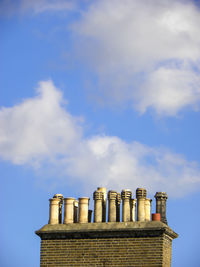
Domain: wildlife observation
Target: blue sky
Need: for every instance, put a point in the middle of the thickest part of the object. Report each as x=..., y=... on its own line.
x=98, y=93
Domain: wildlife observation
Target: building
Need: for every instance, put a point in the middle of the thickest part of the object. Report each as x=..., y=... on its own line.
x=127, y=235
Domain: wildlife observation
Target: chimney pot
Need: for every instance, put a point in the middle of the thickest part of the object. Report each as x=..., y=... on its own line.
x=141, y=194
x=54, y=210
x=112, y=210
x=83, y=209
x=126, y=195
x=161, y=199
x=104, y=202
x=69, y=210
x=98, y=206
x=156, y=217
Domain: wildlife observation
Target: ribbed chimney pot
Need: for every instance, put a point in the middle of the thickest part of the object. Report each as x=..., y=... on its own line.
x=161, y=199
x=112, y=211
x=141, y=194
x=126, y=195
x=98, y=206
x=104, y=202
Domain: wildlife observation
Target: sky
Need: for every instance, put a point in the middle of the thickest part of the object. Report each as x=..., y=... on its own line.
x=98, y=93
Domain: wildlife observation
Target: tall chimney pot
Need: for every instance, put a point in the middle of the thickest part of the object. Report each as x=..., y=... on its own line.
x=141, y=194
x=98, y=203
x=148, y=209
x=112, y=211
x=126, y=195
x=60, y=196
x=68, y=210
x=54, y=210
x=161, y=199
x=104, y=202
x=83, y=209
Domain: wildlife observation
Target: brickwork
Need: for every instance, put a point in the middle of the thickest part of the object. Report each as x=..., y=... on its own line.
x=125, y=244
x=167, y=249
x=104, y=252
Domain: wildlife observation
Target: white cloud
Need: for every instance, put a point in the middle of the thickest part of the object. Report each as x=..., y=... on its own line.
x=109, y=161
x=146, y=53
x=40, y=132
x=130, y=44
x=168, y=90
x=37, y=128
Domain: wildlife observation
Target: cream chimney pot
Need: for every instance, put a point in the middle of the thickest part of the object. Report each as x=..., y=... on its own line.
x=83, y=209
x=126, y=195
x=98, y=203
x=112, y=195
x=141, y=196
x=60, y=196
x=68, y=210
x=104, y=202
x=148, y=209
x=54, y=210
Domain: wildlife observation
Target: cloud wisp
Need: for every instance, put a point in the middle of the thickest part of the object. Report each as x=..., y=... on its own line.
x=9, y=7
x=145, y=52
x=40, y=132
